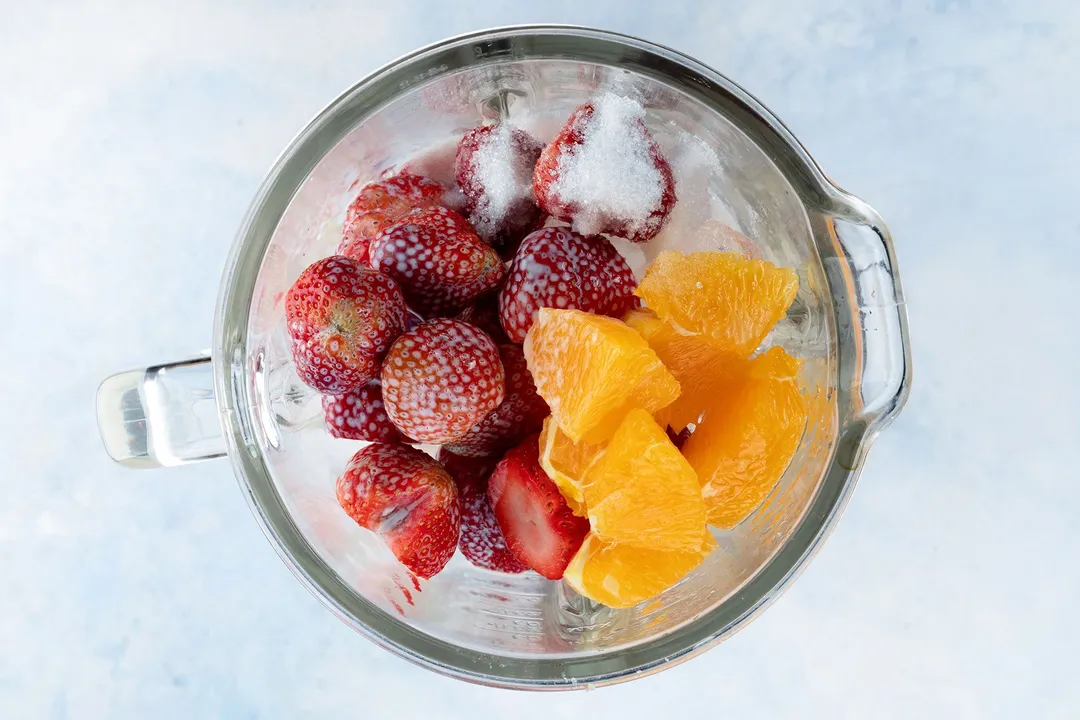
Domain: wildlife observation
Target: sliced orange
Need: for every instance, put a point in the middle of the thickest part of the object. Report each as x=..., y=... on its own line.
x=592, y=370
x=748, y=436
x=730, y=298
x=566, y=463
x=620, y=575
x=641, y=491
x=698, y=363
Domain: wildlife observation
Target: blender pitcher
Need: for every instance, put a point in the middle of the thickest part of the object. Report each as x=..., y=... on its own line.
x=754, y=189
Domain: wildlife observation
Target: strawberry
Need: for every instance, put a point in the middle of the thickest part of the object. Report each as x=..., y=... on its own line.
x=604, y=172
x=440, y=263
x=379, y=205
x=521, y=412
x=342, y=318
x=357, y=235
x=494, y=169
x=395, y=196
x=414, y=320
x=481, y=541
x=558, y=268
x=484, y=314
x=441, y=379
x=538, y=525
x=408, y=499
x=359, y=415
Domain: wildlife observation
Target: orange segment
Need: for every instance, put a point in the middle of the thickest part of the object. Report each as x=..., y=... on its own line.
x=733, y=299
x=592, y=370
x=695, y=360
x=621, y=576
x=642, y=492
x=748, y=435
x=566, y=463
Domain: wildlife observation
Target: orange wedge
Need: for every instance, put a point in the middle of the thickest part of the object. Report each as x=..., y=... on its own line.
x=592, y=370
x=566, y=463
x=641, y=491
x=620, y=575
x=749, y=434
x=731, y=299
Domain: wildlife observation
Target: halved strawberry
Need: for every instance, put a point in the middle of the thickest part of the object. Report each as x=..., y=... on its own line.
x=537, y=523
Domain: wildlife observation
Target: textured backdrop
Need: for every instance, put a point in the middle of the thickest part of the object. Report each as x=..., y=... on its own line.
x=132, y=136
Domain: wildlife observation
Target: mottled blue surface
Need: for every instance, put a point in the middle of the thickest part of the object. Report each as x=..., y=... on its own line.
x=132, y=136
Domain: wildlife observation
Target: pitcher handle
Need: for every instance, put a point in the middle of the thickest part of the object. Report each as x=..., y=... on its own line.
x=162, y=415
x=879, y=374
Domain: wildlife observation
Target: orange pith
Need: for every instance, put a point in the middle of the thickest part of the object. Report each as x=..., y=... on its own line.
x=747, y=437
x=591, y=370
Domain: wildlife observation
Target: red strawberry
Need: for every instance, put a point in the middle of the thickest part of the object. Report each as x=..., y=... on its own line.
x=395, y=196
x=440, y=263
x=538, y=525
x=605, y=173
x=379, y=205
x=521, y=413
x=484, y=314
x=357, y=235
x=558, y=268
x=408, y=499
x=494, y=169
x=441, y=379
x=481, y=541
x=359, y=415
x=342, y=319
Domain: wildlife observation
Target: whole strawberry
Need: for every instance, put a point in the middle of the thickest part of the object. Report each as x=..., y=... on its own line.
x=437, y=259
x=494, y=169
x=408, y=499
x=342, y=318
x=379, y=205
x=441, y=379
x=481, y=541
x=539, y=527
x=604, y=172
x=521, y=412
x=558, y=268
x=359, y=415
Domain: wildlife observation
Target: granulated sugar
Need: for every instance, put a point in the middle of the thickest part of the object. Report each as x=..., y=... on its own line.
x=611, y=174
x=502, y=169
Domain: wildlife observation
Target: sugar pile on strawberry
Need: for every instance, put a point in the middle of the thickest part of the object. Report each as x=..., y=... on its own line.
x=342, y=318
x=408, y=499
x=605, y=173
x=481, y=540
x=558, y=268
x=494, y=169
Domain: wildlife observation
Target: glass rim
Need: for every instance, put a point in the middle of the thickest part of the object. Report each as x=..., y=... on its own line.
x=233, y=391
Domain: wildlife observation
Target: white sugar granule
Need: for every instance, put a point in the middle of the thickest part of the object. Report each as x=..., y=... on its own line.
x=611, y=174
x=504, y=174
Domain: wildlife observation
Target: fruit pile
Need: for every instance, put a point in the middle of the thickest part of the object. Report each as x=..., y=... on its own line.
x=590, y=428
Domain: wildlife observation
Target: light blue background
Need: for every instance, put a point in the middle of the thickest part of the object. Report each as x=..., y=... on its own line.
x=132, y=136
